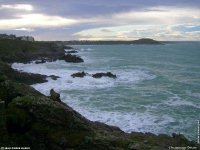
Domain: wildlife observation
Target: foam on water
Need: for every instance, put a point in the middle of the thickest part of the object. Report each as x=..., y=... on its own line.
x=177, y=101
x=133, y=101
x=127, y=121
x=64, y=71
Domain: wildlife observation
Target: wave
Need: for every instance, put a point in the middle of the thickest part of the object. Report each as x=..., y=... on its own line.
x=127, y=121
x=64, y=71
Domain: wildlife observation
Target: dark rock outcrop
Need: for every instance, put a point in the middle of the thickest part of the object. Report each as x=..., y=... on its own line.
x=96, y=75
x=40, y=61
x=54, y=96
x=72, y=58
x=71, y=51
x=23, y=77
x=100, y=75
x=79, y=74
x=25, y=52
x=53, y=77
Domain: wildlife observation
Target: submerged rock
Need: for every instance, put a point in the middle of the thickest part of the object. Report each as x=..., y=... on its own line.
x=73, y=58
x=54, y=95
x=79, y=74
x=100, y=75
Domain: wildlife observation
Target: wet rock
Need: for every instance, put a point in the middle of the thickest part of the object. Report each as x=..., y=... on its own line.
x=100, y=75
x=40, y=61
x=53, y=77
x=23, y=77
x=79, y=74
x=71, y=51
x=54, y=96
x=73, y=58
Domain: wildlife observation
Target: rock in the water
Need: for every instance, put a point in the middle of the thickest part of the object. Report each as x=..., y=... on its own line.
x=73, y=58
x=108, y=74
x=71, y=51
x=53, y=77
x=40, y=61
x=79, y=74
x=54, y=96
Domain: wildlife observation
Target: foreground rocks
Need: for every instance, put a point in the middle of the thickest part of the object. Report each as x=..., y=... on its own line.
x=54, y=96
x=23, y=77
x=96, y=75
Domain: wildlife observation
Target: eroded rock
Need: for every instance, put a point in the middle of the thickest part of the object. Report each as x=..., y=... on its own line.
x=100, y=75
x=54, y=95
x=73, y=58
x=79, y=74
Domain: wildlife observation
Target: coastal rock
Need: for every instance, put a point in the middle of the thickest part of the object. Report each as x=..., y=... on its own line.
x=79, y=74
x=40, y=61
x=100, y=75
x=53, y=77
x=73, y=58
x=96, y=75
x=71, y=51
x=54, y=96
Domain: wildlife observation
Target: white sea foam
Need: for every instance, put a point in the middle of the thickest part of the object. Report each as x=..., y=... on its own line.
x=143, y=122
x=196, y=95
x=64, y=71
x=127, y=121
x=178, y=101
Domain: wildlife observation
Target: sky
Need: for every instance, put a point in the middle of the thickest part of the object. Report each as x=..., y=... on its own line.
x=168, y=20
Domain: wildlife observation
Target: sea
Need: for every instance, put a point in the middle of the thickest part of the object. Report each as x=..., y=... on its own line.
x=157, y=88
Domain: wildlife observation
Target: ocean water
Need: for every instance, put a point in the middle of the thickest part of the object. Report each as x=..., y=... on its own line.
x=157, y=87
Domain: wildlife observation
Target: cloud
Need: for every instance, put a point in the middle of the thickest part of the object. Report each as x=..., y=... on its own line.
x=161, y=15
x=133, y=19
x=106, y=30
x=161, y=23
x=24, y=29
x=26, y=7
x=132, y=32
x=35, y=21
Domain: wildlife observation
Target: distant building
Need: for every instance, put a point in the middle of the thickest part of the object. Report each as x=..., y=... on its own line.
x=5, y=36
x=27, y=38
x=13, y=37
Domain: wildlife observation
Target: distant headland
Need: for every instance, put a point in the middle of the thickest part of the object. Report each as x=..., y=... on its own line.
x=112, y=42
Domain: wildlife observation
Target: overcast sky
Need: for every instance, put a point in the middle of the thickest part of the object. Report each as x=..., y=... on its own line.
x=101, y=19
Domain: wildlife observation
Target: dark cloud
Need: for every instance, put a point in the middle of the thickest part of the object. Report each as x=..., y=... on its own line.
x=84, y=9
x=89, y=8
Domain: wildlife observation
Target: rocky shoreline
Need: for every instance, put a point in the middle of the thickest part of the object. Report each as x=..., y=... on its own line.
x=32, y=119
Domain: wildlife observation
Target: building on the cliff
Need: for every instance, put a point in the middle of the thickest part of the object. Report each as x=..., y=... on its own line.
x=27, y=38
x=5, y=36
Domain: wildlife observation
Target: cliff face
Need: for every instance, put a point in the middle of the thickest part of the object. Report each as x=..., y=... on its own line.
x=28, y=118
